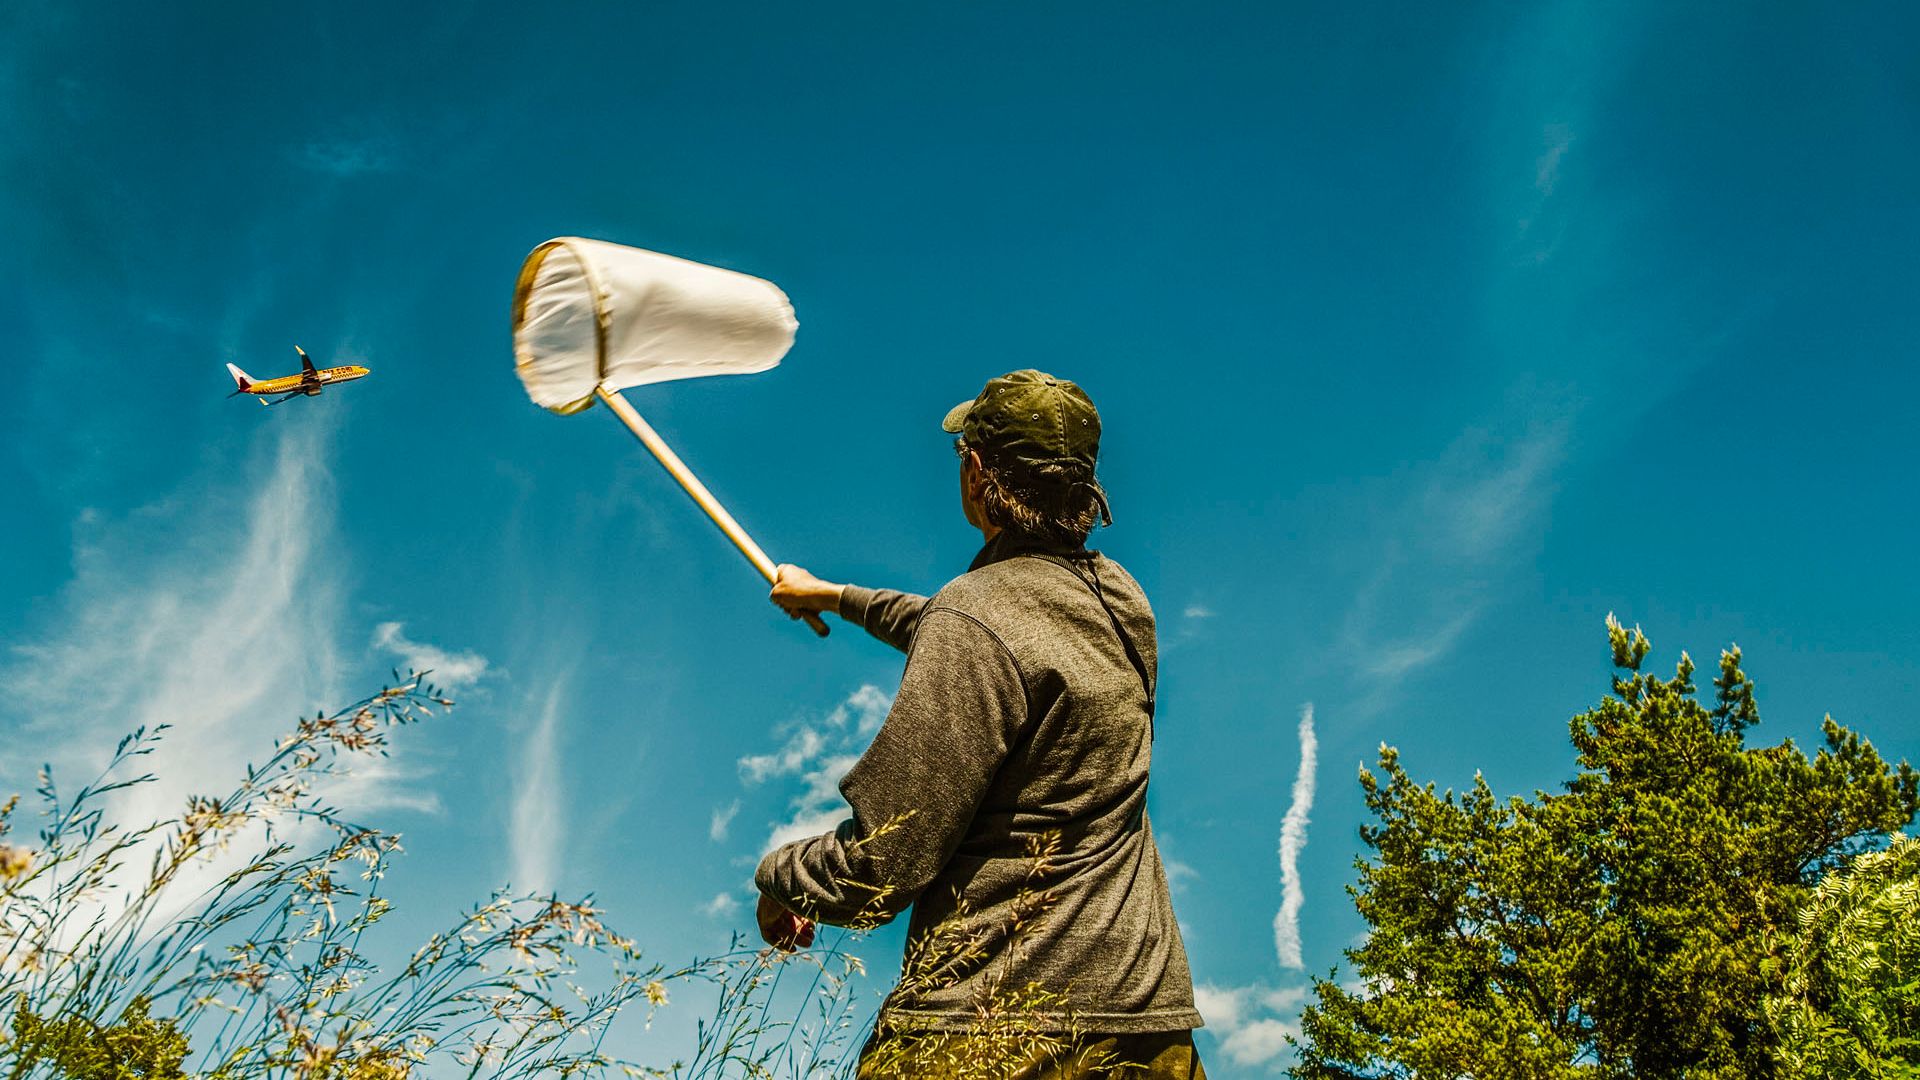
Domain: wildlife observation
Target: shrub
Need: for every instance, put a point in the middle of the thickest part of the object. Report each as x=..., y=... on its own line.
x=1848, y=1003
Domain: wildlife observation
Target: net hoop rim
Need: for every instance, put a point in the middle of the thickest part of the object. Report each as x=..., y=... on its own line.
x=523, y=289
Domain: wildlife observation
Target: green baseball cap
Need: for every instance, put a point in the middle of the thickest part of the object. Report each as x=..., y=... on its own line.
x=1028, y=418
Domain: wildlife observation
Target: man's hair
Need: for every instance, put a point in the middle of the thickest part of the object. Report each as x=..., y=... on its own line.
x=1054, y=503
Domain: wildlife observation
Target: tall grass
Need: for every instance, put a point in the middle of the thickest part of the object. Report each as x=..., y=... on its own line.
x=235, y=940
x=232, y=941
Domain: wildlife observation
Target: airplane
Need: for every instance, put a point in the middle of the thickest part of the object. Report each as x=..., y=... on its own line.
x=309, y=382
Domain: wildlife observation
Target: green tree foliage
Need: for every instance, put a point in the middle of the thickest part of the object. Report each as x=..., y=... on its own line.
x=1849, y=1000
x=1617, y=929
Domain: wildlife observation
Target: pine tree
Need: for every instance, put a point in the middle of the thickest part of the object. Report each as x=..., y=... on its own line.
x=1617, y=929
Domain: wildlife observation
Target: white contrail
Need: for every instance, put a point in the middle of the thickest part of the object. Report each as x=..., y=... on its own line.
x=1293, y=837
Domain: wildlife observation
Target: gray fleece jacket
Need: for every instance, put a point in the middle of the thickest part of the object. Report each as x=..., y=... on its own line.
x=1020, y=723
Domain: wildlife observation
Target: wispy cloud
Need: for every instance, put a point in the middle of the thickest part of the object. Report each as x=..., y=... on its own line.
x=801, y=747
x=537, y=831
x=866, y=708
x=1394, y=660
x=1543, y=222
x=347, y=156
x=174, y=616
x=210, y=611
x=819, y=806
x=1187, y=627
x=1293, y=837
x=1452, y=534
x=722, y=821
x=1251, y=1022
x=722, y=906
x=817, y=758
x=1546, y=173
x=1178, y=873
x=450, y=670
x=1490, y=484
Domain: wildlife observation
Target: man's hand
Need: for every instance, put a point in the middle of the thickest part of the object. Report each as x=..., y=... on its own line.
x=781, y=928
x=799, y=593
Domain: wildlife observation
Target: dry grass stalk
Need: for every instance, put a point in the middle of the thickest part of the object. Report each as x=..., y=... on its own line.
x=259, y=960
x=1014, y=1026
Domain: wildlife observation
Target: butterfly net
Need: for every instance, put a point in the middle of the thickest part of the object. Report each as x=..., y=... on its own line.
x=587, y=314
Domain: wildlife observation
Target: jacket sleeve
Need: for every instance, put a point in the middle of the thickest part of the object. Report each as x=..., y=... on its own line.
x=914, y=793
x=888, y=615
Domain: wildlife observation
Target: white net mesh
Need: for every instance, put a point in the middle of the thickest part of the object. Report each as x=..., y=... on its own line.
x=588, y=313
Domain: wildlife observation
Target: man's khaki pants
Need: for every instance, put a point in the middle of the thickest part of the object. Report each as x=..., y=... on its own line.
x=1165, y=1055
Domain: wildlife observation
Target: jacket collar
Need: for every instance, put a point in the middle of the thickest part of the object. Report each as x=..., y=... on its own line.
x=1008, y=544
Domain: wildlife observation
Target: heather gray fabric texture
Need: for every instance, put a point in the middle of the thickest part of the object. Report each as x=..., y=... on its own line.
x=1019, y=716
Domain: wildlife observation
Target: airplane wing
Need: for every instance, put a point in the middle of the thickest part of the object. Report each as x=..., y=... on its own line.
x=307, y=372
x=283, y=397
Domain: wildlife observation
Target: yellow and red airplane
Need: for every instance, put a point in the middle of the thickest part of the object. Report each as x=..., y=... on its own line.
x=309, y=382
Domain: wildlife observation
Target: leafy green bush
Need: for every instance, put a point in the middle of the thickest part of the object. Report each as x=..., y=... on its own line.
x=1848, y=1004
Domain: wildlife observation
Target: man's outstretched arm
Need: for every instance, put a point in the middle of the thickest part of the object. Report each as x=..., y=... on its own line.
x=886, y=614
x=915, y=792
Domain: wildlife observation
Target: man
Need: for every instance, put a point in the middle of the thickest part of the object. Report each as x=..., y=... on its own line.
x=1004, y=798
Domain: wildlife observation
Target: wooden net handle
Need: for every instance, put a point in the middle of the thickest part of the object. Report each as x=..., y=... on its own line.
x=678, y=469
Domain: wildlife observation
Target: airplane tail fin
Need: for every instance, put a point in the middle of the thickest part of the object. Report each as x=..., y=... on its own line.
x=240, y=378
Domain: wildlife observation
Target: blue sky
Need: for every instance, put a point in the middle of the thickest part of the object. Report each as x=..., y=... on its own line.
x=1424, y=335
